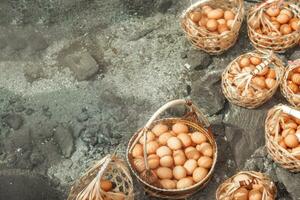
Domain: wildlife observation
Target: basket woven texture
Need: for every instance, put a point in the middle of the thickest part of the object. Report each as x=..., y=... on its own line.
x=280, y=155
x=206, y=41
x=109, y=168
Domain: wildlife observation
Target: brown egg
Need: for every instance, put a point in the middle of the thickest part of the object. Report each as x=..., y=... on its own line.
x=159, y=129
x=270, y=83
x=293, y=87
x=286, y=12
x=282, y=144
x=221, y=21
x=207, y=9
x=276, y=24
x=285, y=29
x=199, y=174
x=230, y=23
x=195, y=16
x=271, y=74
x=291, y=141
x=205, y=148
x=166, y=161
x=192, y=153
x=153, y=161
x=139, y=164
x=296, y=78
x=258, y=187
x=185, y=139
x=168, y=184
x=137, y=150
x=294, y=23
x=164, y=138
x=297, y=149
x=288, y=131
x=273, y=11
x=228, y=14
x=222, y=28
x=255, y=195
x=184, y=183
x=244, y=62
x=241, y=194
x=255, y=60
x=255, y=24
x=205, y=161
x=164, y=173
x=283, y=18
x=215, y=14
x=152, y=146
x=290, y=75
x=198, y=137
x=180, y=128
x=163, y=151
x=179, y=157
x=150, y=137
x=174, y=143
x=190, y=165
x=203, y=21
x=179, y=172
x=263, y=72
x=259, y=81
x=106, y=185
x=212, y=25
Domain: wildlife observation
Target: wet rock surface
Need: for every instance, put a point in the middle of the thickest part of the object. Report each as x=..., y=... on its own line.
x=78, y=78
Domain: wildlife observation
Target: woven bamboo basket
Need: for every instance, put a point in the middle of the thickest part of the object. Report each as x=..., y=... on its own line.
x=205, y=40
x=275, y=119
x=195, y=121
x=292, y=97
x=248, y=180
x=271, y=38
x=109, y=168
x=233, y=73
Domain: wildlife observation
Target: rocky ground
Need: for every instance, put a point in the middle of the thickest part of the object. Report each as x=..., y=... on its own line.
x=79, y=77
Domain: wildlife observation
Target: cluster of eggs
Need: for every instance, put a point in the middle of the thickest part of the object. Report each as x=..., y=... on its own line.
x=251, y=192
x=179, y=158
x=215, y=20
x=289, y=132
x=107, y=186
x=283, y=22
x=260, y=83
x=293, y=81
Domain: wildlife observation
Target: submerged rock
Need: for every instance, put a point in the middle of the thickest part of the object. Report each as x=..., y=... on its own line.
x=65, y=140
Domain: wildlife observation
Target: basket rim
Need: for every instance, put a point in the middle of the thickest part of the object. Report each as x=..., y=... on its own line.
x=207, y=177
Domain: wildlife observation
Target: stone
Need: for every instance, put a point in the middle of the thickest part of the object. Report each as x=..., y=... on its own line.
x=291, y=182
x=33, y=71
x=13, y=120
x=64, y=138
x=82, y=64
x=198, y=59
x=16, y=43
x=36, y=158
x=37, y=42
x=43, y=131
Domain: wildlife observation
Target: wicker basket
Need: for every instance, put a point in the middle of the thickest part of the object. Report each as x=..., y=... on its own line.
x=195, y=121
x=293, y=98
x=109, y=168
x=203, y=39
x=286, y=159
x=246, y=179
x=244, y=100
x=275, y=42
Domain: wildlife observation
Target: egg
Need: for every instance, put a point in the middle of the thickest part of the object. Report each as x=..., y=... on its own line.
x=168, y=184
x=255, y=195
x=164, y=173
x=285, y=29
x=205, y=148
x=192, y=153
x=137, y=151
x=199, y=174
x=163, y=151
x=241, y=194
x=207, y=9
x=180, y=128
x=198, y=137
x=255, y=60
x=150, y=137
x=195, y=16
x=230, y=23
x=106, y=185
x=228, y=14
x=276, y=25
x=263, y=72
x=139, y=164
x=215, y=14
x=166, y=161
x=152, y=146
x=286, y=12
x=205, y=161
x=212, y=25
x=174, y=143
x=222, y=28
x=244, y=62
x=271, y=74
x=179, y=172
x=184, y=183
x=153, y=161
x=290, y=75
x=258, y=187
x=190, y=165
x=185, y=139
x=283, y=18
x=294, y=23
x=296, y=78
x=255, y=24
x=273, y=11
x=179, y=157
x=297, y=149
x=159, y=129
x=270, y=83
x=291, y=141
x=240, y=177
x=288, y=131
x=293, y=87
x=221, y=21
x=163, y=138
x=259, y=81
